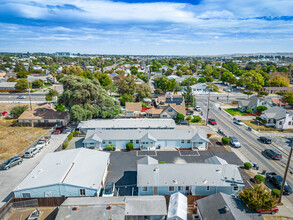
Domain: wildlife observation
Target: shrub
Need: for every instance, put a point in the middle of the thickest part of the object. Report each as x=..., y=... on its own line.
x=196, y=119
x=225, y=141
x=109, y=147
x=249, y=111
x=129, y=146
x=65, y=145
x=259, y=179
x=247, y=165
x=276, y=192
x=70, y=136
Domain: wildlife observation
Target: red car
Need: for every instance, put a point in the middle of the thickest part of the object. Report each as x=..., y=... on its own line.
x=273, y=211
x=212, y=121
x=59, y=130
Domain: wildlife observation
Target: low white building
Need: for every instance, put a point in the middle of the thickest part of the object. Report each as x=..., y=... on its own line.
x=77, y=172
x=148, y=139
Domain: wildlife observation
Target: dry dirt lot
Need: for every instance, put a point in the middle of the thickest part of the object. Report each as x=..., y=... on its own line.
x=13, y=140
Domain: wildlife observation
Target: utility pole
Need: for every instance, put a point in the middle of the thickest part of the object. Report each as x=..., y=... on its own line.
x=29, y=94
x=286, y=171
x=208, y=109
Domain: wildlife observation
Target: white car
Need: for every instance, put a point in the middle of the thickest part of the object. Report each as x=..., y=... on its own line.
x=109, y=189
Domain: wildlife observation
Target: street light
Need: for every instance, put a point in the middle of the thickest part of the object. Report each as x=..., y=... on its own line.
x=286, y=171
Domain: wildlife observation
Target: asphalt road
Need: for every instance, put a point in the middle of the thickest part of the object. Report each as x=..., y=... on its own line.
x=251, y=147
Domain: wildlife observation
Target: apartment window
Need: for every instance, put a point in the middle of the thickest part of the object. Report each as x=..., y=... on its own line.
x=26, y=195
x=171, y=188
x=180, y=188
x=144, y=189
x=235, y=188
x=188, y=141
x=82, y=192
x=182, y=141
x=208, y=188
x=137, y=141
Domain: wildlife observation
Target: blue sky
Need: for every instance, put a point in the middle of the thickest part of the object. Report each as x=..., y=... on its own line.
x=149, y=27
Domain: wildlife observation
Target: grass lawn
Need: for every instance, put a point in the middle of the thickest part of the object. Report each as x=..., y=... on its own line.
x=262, y=128
x=234, y=111
x=13, y=140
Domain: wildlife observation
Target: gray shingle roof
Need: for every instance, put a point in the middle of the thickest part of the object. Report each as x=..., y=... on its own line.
x=276, y=112
x=191, y=174
x=153, y=134
x=213, y=207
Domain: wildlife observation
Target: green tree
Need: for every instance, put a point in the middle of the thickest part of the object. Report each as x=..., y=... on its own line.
x=180, y=116
x=38, y=83
x=258, y=198
x=289, y=97
x=18, y=110
x=22, y=84
x=279, y=80
x=252, y=79
x=87, y=99
x=261, y=108
x=143, y=91
x=202, y=80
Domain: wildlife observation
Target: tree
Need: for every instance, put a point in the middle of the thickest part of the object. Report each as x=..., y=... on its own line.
x=87, y=99
x=252, y=79
x=11, y=79
x=279, y=80
x=23, y=84
x=261, y=108
x=143, y=91
x=289, y=97
x=202, y=80
x=126, y=85
x=18, y=110
x=180, y=116
x=189, y=81
x=38, y=83
x=258, y=198
x=228, y=77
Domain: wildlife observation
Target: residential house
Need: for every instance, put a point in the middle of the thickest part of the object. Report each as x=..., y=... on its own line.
x=221, y=206
x=115, y=208
x=44, y=115
x=199, y=179
x=274, y=90
x=148, y=139
x=133, y=109
x=178, y=205
x=252, y=103
x=125, y=124
x=278, y=117
x=7, y=86
x=70, y=173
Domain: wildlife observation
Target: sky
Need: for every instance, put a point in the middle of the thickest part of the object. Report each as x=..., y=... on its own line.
x=147, y=27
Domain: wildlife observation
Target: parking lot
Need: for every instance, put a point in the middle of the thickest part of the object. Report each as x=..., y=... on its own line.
x=122, y=170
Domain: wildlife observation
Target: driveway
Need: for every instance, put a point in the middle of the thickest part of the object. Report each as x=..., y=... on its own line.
x=123, y=171
x=9, y=179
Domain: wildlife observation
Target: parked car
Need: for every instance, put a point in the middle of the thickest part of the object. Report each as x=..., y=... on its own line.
x=31, y=152
x=197, y=108
x=183, y=123
x=277, y=180
x=265, y=140
x=109, y=189
x=272, y=153
x=234, y=142
x=212, y=121
x=272, y=211
x=21, y=97
x=59, y=130
x=238, y=122
x=11, y=163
